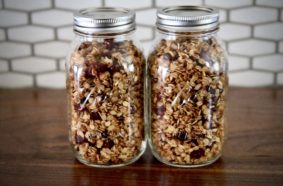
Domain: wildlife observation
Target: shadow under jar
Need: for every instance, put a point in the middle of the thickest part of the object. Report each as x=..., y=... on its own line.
x=105, y=71
x=188, y=82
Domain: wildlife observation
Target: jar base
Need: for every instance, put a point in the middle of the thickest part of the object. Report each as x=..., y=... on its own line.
x=191, y=165
x=85, y=162
x=184, y=165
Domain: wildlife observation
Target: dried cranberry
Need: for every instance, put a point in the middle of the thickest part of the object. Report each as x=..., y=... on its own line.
x=104, y=134
x=175, y=56
x=203, y=119
x=159, y=97
x=195, y=141
x=196, y=154
x=88, y=73
x=108, y=43
x=136, y=54
x=80, y=139
x=161, y=110
x=182, y=135
x=84, y=45
x=100, y=67
x=108, y=143
x=209, y=41
x=120, y=118
x=205, y=102
x=102, y=95
x=214, y=109
x=79, y=108
x=133, y=110
x=83, y=100
x=167, y=57
x=214, y=100
x=194, y=58
x=194, y=98
x=91, y=144
x=106, y=54
x=116, y=67
x=211, y=90
x=95, y=116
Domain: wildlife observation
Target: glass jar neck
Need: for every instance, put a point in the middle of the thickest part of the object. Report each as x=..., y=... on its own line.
x=203, y=33
x=128, y=33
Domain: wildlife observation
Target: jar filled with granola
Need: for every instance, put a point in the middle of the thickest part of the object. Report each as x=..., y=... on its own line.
x=188, y=82
x=105, y=71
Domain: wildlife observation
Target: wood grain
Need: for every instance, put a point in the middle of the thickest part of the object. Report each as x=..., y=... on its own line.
x=34, y=148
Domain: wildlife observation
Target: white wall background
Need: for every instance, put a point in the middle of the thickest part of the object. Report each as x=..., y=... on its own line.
x=35, y=34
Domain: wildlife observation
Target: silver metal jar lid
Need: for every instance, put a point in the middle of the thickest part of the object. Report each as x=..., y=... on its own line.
x=187, y=18
x=104, y=20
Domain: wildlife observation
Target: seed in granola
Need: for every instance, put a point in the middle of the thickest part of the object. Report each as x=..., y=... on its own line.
x=196, y=154
x=95, y=116
x=182, y=135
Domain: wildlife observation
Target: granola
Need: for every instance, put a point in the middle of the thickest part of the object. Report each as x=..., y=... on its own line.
x=188, y=86
x=105, y=89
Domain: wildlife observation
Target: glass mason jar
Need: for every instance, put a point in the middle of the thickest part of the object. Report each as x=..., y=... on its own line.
x=188, y=83
x=105, y=72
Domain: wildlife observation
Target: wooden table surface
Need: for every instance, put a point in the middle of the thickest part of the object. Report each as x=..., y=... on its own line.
x=34, y=149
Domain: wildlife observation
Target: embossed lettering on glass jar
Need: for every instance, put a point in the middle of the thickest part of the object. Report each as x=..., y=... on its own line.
x=188, y=82
x=105, y=71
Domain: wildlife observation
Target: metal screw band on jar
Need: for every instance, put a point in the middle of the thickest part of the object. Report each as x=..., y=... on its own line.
x=187, y=18
x=104, y=20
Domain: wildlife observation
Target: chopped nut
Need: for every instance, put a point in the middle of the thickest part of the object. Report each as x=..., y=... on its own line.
x=99, y=143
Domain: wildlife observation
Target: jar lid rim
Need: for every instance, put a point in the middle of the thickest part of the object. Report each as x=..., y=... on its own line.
x=111, y=18
x=187, y=17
